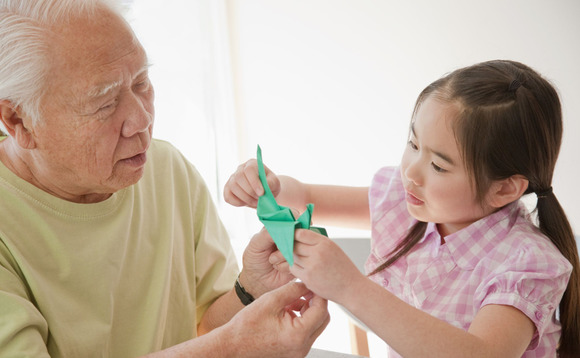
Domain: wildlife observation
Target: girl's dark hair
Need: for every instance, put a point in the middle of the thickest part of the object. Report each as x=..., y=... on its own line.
x=510, y=123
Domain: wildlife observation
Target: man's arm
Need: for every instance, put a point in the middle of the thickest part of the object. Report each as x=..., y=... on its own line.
x=220, y=312
x=256, y=330
x=258, y=276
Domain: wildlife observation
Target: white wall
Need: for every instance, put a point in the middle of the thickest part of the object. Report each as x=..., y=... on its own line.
x=326, y=87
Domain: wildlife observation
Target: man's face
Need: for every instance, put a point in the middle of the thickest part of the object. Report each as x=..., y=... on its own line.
x=97, y=114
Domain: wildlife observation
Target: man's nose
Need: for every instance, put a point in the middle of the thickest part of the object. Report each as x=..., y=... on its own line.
x=137, y=116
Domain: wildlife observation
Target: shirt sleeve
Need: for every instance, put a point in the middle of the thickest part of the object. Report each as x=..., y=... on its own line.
x=24, y=331
x=216, y=266
x=531, y=281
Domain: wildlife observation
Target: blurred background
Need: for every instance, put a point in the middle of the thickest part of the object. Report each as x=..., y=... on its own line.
x=326, y=87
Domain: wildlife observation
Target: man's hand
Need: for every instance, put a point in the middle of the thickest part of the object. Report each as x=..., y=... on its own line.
x=271, y=327
x=259, y=275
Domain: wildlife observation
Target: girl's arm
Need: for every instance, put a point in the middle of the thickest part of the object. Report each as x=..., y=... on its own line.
x=333, y=205
x=497, y=331
x=341, y=206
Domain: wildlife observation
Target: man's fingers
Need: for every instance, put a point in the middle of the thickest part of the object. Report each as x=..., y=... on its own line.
x=262, y=241
x=320, y=328
x=300, y=304
x=289, y=293
x=276, y=258
x=316, y=315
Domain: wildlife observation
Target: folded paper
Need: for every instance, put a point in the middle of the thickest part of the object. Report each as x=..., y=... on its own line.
x=278, y=219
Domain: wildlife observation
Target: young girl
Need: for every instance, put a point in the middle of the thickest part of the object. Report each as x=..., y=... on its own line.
x=466, y=272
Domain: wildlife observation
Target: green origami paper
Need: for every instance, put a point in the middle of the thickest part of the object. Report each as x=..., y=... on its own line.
x=279, y=220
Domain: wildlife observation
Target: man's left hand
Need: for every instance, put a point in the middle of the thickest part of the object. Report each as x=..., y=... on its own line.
x=260, y=274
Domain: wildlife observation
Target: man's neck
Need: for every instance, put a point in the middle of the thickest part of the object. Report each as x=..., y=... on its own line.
x=16, y=164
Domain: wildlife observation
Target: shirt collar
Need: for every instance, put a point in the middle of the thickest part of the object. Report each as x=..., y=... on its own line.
x=468, y=245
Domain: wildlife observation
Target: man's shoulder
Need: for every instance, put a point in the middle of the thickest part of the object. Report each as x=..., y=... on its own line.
x=162, y=146
x=165, y=162
x=163, y=153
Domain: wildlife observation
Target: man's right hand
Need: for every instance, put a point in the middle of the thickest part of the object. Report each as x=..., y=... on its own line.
x=270, y=326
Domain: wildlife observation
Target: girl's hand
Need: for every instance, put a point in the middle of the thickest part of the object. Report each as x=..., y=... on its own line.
x=244, y=187
x=323, y=266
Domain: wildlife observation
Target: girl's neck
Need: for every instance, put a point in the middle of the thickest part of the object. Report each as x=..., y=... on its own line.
x=440, y=231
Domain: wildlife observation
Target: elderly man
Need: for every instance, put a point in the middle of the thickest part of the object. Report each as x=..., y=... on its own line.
x=110, y=245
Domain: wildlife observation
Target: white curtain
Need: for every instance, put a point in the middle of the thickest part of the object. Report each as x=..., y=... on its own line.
x=187, y=44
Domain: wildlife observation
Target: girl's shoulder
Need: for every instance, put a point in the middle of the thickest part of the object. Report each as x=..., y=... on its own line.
x=523, y=247
x=505, y=240
x=529, y=244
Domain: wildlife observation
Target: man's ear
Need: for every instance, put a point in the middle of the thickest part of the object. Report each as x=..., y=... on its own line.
x=11, y=117
x=505, y=191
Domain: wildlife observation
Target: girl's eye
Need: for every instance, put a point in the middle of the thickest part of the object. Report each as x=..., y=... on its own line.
x=437, y=168
x=412, y=145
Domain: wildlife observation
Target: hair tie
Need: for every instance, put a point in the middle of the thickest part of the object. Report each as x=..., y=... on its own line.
x=514, y=86
x=544, y=193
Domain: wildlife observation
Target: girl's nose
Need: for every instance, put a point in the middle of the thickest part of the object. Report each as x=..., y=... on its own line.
x=413, y=173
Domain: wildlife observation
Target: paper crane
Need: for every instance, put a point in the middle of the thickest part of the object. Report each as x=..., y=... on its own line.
x=279, y=220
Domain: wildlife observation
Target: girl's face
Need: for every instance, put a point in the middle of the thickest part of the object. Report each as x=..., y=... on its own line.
x=438, y=187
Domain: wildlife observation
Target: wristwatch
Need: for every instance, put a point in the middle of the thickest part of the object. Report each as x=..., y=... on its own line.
x=243, y=295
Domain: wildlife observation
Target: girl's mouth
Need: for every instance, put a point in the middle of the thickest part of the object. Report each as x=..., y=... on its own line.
x=412, y=199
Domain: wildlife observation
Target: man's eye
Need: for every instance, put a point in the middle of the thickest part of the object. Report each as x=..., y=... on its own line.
x=108, y=106
x=143, y=85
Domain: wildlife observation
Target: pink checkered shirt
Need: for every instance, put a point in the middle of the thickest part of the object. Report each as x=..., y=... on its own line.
x=500, y=259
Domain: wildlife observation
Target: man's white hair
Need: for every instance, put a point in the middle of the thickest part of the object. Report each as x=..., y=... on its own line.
x=23, y=45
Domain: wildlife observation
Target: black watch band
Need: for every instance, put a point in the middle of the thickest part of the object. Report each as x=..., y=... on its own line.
x=243, y=295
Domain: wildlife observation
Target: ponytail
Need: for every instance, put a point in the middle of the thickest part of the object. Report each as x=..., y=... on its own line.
x=554, y=224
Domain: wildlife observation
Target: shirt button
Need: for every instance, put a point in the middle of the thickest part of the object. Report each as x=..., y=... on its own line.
x=539, y=315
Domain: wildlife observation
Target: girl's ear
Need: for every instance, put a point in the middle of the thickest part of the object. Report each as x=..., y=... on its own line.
x=505, y=191
x=14, y=123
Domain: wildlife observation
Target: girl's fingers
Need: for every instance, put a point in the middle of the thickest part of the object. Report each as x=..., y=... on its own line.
x=242, y=197
x=250, y=172
x=308, y=237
